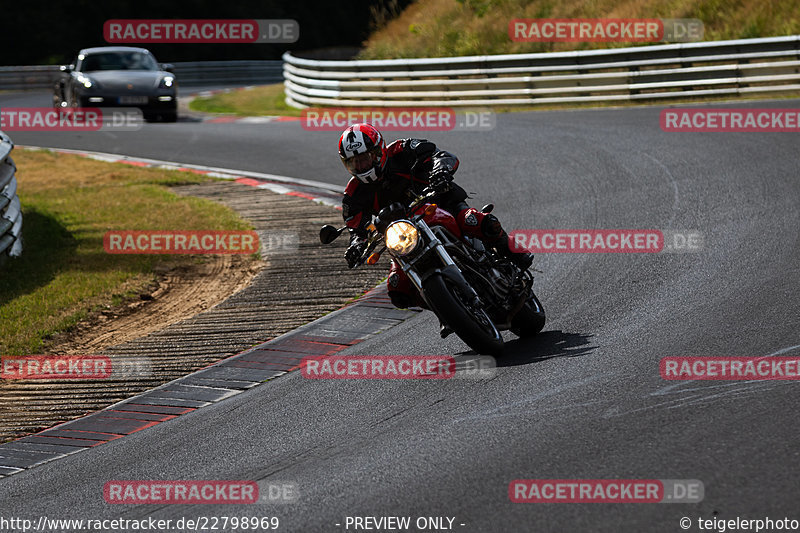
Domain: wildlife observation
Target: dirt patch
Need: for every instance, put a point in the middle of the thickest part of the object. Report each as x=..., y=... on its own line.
x=178, y=293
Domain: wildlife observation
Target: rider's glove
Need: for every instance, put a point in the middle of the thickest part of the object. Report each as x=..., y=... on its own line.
x=354, y=251
x=440, y=180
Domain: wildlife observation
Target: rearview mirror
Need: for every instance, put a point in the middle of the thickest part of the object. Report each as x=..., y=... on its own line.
x=328, y=234
x=168, y=67
x=66, y=69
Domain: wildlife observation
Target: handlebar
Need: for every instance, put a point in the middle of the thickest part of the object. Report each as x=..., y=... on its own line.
x=376, y=237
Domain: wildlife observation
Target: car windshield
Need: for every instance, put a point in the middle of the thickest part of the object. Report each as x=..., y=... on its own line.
x=119, y=61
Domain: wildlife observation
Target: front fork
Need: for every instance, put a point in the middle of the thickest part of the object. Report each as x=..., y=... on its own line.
x=450, y=270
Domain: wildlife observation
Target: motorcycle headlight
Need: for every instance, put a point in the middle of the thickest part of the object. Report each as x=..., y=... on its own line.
x=401, y=237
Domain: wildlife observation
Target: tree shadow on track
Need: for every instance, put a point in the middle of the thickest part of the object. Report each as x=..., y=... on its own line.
x=546, y=345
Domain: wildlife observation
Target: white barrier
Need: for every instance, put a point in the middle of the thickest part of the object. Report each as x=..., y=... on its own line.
x=618, y=74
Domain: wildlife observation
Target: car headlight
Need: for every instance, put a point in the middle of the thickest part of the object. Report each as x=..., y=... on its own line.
x=166, y=82
x=401, y=237
x=85, y=81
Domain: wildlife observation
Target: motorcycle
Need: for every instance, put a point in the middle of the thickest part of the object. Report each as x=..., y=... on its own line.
x=474, y=291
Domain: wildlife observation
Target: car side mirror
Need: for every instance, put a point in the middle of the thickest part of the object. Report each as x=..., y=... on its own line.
x=66, y=69
x=168, y=67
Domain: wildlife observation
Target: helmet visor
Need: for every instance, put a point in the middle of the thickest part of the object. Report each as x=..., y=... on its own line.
x=360, y=163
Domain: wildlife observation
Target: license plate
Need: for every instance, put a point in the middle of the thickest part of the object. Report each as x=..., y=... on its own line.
x=132, y=100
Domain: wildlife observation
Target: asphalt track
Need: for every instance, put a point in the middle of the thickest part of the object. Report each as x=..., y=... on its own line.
x=582, y=401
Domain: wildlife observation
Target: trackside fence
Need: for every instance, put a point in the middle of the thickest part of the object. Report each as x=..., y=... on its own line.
x=713, y=68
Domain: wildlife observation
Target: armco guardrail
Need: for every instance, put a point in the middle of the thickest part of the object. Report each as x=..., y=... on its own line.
x=223, y=72
x=188, y=74
x=716, y=68
x=29, y=77
x=10, y=209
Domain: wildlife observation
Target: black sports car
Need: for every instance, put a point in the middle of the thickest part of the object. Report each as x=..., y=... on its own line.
x=118, y=76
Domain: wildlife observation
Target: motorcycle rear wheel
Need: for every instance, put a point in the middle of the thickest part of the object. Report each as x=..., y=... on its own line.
x=473, y=326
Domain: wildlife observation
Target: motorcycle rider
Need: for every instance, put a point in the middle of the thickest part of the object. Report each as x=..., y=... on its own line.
x=382, y=175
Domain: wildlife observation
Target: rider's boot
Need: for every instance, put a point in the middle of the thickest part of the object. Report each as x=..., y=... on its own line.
x=493, y=235
x=523, y=260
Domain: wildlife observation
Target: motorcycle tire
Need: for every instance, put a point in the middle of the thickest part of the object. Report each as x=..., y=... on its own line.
x=474, y=328
x=530, y=319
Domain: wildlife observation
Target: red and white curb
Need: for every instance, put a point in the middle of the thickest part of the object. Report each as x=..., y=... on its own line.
x=317, y=191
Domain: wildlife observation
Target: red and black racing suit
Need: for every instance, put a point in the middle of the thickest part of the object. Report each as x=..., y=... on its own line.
x=410, y=163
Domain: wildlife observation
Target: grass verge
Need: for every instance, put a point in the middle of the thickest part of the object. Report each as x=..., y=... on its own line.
x=69, y=202
x=263, y=100
x=235, y=106
x=437, y=28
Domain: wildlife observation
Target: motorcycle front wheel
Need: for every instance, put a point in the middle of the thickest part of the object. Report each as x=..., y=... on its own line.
x=469, y=322
x=530, y=319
